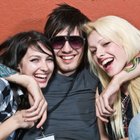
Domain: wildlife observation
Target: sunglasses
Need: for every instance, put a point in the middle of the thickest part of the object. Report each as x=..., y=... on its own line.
x=76, y=42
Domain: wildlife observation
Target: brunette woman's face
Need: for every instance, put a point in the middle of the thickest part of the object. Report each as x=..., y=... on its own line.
x=38, y=64
x=109, y=56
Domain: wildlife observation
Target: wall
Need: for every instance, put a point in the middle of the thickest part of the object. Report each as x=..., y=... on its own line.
x=22, y=15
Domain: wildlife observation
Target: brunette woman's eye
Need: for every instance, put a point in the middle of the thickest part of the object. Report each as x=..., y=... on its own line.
x=34, y=60
x=50, y=59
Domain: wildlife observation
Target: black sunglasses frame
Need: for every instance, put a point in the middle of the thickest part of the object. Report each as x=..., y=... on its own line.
x=76, y=42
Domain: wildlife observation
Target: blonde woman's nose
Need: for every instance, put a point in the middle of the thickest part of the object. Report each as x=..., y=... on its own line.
x=100, y=52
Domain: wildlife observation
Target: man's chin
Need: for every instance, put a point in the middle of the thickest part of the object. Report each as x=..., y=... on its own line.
x=66, y=72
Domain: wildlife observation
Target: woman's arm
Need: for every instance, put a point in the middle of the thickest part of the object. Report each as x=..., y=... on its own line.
x=124, y=139
x=106, y=99
x=14, y=122
x=101, y=126
x=102, y=131
x=38, y=103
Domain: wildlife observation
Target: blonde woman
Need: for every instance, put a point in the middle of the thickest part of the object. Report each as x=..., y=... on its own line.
x=114, y=45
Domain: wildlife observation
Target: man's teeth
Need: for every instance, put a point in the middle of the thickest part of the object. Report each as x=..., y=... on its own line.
x=67, y=57
x=106, y=61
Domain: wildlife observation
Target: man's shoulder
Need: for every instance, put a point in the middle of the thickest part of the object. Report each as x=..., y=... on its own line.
x=86, y=72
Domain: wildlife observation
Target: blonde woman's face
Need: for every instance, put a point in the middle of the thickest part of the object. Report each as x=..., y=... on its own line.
x=109, y=56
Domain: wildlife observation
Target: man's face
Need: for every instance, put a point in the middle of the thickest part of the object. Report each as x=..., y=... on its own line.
x=69, y=55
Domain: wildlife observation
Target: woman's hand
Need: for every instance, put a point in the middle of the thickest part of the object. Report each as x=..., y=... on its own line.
x=13, y=123
x=105, y=101
x=38, y=110
x=37, y=101
x=19, y=120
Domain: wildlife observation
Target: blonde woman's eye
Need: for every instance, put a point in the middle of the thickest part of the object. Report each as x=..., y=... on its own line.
x=106, y=44
x=93, y=51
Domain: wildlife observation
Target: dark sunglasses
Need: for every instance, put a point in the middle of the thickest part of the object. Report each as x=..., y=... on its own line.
x=76, y=42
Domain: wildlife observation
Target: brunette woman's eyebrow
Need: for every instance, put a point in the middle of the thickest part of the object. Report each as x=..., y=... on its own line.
x=35, y=55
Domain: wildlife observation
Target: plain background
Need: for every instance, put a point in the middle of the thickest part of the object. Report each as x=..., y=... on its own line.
x=24, y=15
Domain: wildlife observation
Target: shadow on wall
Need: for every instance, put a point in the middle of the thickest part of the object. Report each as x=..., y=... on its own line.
x=30, y=24
x=25, y=25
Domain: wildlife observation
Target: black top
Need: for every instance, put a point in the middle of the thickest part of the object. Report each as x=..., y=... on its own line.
x=75, y=117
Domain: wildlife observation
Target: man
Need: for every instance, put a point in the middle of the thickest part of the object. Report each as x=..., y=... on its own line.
x=71, y=93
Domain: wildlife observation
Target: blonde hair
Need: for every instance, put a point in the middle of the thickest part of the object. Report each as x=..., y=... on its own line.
x=121, y=32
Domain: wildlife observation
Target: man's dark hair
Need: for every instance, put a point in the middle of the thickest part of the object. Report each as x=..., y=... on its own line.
x=66, y=16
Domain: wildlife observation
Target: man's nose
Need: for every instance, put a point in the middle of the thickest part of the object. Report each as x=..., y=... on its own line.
x=67, y=48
